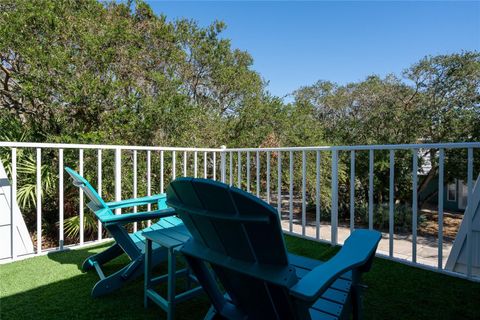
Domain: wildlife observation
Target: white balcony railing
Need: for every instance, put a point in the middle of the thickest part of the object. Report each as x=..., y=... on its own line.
x=298, y=181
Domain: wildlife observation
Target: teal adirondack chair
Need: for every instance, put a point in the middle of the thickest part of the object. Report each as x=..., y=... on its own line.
x=131, y=244
x=239, y=236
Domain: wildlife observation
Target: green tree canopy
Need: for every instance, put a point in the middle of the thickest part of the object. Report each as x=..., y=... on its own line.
x=83, y=70
x=438, y=100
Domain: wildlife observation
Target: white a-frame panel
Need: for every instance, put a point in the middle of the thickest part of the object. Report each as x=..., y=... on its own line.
x=458, y=258
x=22, y=243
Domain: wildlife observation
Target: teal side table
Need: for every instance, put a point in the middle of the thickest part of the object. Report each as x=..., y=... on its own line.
x=172, y=239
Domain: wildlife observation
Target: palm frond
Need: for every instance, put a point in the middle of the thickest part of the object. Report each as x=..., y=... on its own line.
x=72, y=225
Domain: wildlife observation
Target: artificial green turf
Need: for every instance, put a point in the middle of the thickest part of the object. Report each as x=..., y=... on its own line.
x=53, y=287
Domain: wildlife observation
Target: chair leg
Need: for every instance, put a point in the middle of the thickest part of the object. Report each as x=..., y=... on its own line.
x=356, y=303
x=113, y=282
x=148, y=271
x=134, y=269
x=102, y=257
x=188, y=279
x=133, y=266
x=356, y=294
x=211, y=314
x=171, y=284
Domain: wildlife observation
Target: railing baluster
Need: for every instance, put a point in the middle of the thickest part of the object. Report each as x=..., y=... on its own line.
x=174, y=165
x=149, y=182
x=279, y=184
x=471, y=212
x=231, y=168
x=370, y=190
x=223, y=165
x=80, y=156
x=414, y=204
x=13, y=200
x=195, y=164
x=258, y=173
x=352, y=191
x=135, y=191
x=304, y=182
x=290, y=204
x=162, y=177
x=39, y=200
x=205, y=165
x=185, y=163
x=118, y=177
x=334, y=215
x=317, y=196
x=99, y=189
x=60, y=199
x=214, y=172
x=268, y=177
x=441, y=169
x=248, y=171
x=391, y=203
x=239, y=169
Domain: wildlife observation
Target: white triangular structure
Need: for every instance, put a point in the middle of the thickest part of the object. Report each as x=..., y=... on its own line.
x=22, y=243
x=458, y=258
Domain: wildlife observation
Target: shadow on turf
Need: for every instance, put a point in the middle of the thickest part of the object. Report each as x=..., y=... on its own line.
x=76, y=256
x=70, y=298
x=395, y=291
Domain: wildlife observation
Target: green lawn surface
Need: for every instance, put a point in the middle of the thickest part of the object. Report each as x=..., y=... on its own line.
x=54, y=287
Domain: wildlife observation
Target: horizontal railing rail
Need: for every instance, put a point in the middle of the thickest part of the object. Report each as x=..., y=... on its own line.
x=451, y=145
x=320, y=192
x=10, y=144
x=448, y=145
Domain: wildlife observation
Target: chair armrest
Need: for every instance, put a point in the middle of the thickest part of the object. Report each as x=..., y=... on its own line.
x=139, y=216
x=357, y=251
x=136, y=201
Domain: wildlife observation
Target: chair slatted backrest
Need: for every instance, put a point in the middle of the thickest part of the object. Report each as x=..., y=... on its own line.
x=242, y=230
x=101, y=210
x=96, y=203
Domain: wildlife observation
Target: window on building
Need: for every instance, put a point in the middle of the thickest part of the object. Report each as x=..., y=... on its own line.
x=452, y=191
